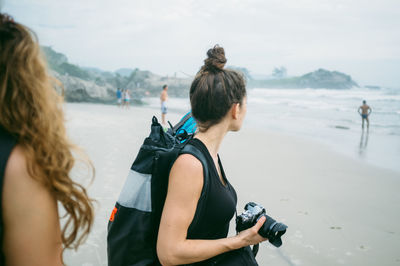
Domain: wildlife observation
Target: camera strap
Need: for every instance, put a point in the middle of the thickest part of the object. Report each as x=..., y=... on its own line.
x=255, y=249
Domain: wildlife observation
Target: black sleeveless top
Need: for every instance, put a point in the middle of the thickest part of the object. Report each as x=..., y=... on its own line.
x=7, y=143
x=216, y=206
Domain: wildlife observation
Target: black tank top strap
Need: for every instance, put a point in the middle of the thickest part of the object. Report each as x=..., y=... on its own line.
x=217, y=202
x=193, y=148
x=196, y=148
x=216, y=205
x=7, y=143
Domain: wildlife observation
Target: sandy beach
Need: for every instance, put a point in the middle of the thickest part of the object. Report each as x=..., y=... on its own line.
x=339, y=211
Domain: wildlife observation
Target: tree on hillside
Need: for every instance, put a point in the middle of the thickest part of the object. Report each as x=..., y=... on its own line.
x=243, y=70
x=279, y=72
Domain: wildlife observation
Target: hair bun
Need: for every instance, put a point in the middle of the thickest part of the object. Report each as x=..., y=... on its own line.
x=5, y=18
x=216, y=59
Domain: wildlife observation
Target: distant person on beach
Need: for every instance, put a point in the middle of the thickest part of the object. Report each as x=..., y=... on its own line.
x=194, y=228
x=123, y=97
x=364, y=110
x=36, y=158
x=119, y=97
x=127, y=98
x=164, y=99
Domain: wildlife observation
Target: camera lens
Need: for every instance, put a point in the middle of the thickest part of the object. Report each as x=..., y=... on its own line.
x=273, y=231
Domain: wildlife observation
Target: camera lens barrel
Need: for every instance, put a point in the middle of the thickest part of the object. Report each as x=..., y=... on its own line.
x=273, y=231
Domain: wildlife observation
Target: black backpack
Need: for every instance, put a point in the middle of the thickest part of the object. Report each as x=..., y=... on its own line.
x=134, y=222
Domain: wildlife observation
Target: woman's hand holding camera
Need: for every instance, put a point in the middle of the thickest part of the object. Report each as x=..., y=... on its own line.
x=251, y=236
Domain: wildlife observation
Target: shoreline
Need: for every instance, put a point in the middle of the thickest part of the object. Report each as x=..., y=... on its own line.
x=334, y=148
x=338, y=210
x=377, y=147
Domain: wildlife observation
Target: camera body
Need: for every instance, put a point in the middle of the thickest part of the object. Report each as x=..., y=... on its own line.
x=271, y=229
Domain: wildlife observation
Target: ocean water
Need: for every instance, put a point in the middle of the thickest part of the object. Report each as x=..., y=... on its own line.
x=331, y=117
x=328, y=116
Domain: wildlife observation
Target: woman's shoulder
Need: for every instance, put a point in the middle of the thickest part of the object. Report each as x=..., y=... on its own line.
x=16, y=164
x=30, y=214
x=188, y=163
x=19, y=186
x=187, y=171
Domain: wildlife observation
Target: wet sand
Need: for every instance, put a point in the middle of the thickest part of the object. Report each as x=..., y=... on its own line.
x=339, y=211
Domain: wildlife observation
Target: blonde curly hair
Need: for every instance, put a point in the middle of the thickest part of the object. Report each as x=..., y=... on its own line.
x=31, y=111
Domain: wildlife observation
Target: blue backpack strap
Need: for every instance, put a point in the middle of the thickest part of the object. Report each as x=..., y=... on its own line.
x=184, y=119
x=185, y=128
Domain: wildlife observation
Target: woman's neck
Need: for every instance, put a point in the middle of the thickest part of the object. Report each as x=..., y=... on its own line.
x=213, y=137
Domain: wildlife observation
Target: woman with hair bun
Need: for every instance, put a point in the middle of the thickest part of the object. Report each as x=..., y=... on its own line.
x=36, y=158
x=195, y=223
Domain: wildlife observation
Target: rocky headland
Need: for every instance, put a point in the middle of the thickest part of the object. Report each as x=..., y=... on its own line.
x=319, y=79
x=95, y=85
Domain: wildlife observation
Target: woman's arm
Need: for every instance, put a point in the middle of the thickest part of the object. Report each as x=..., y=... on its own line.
x=32, y=233
x=184, y=189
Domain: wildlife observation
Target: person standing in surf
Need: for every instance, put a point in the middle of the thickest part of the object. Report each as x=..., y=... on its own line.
x=364, y=110
x=119, y=97
x=164, y=99
x=127, y=98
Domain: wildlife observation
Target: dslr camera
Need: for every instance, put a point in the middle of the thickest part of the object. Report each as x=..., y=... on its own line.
x=271, y=229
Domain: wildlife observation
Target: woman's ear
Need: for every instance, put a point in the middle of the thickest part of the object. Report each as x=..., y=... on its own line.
x=235, y=110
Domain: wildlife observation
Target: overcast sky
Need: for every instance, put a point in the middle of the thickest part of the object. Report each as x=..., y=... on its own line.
x=358, y=37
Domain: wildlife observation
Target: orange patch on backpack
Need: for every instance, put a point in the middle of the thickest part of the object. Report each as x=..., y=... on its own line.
x=113, y=214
